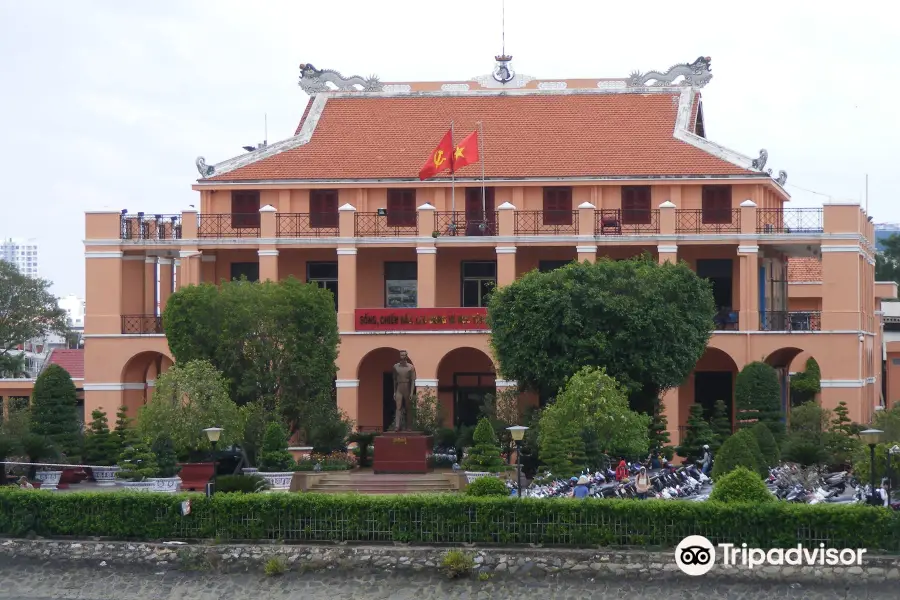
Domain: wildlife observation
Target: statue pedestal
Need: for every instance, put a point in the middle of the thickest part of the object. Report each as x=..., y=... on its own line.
x=403, y=452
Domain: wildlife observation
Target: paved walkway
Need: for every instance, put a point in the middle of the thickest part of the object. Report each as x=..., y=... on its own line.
x=42, y=581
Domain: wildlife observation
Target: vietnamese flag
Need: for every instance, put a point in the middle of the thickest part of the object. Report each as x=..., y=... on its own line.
x=440, y=159
x=466, y=152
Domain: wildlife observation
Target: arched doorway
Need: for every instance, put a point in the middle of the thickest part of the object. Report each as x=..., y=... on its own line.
x=465, y=377
x=713, y=380
x=781, y=360
x=376, y=389
x=139, y=376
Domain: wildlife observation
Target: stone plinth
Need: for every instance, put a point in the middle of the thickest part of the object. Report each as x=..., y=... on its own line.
x=402, y=452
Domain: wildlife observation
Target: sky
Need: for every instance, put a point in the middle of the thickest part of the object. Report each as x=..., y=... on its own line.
x=106, y=104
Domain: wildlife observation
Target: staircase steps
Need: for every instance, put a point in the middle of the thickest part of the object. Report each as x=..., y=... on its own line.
x=367, y=483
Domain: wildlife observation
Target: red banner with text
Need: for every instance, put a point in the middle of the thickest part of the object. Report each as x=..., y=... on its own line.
x=421, y=319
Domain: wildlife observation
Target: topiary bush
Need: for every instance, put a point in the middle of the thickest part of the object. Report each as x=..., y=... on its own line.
x=740, y=450
x=757, y=397
x=166, y=461
x=53, y=411
x=485, y=455
x=768, y=447
x=274, y=456
x=101, y=447
x=137, y=462
x=487, y=486
x=741, y=485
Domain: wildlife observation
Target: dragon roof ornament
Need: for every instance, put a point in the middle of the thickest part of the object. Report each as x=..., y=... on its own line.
x=314, y=81
x=696, y=74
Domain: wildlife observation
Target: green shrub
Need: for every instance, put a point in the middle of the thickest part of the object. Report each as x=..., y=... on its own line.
x=487, y=486
x=53, y=406
x=275, y=566
x=429, y=518
x=364, y=442
x=457, y=563
x=740, y=450
x=166, y=461
x=741, y=485
x=240, y=484
x=768, y=447
x=485, y=455
x=757, y=397
x=274, y=456
x=101, y=447
x=137, y=462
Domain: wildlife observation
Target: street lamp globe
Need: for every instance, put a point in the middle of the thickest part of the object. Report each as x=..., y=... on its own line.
x=213, y=434
x=517, y=432
x=870, y=437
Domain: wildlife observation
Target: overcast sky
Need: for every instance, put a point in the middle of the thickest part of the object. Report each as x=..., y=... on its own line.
x=108, y=103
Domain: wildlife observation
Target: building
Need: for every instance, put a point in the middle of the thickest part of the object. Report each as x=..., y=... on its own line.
x=22, y=253
x=573, y=170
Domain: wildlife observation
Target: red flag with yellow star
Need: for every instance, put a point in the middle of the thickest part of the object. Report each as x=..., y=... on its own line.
x=440, y=158
x=466, y=152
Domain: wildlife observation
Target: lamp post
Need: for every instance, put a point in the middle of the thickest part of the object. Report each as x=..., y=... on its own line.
x=517, y=432
x=870, y=437
x=894, y=450
x=213, y=434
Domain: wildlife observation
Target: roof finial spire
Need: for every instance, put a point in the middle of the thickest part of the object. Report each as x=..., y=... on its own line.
x=503, y=27
x=503, y=72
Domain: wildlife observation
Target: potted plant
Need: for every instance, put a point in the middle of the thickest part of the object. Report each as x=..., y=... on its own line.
x=275, y=462
x=137, y=463
x=101, y=449
x=166, y=479
x=484, y=458
x=37, y=448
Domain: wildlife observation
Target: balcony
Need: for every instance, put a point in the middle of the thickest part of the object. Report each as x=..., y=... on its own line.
x=794, y=321
x=695, y=220
x=613, y=221
x=295, y=225
x=380, y=224
x=460, y=224
x=237, y=225
x=150, y=228
x=790, y=221
x=141, y=324
x=546, y=222
x=727, y=321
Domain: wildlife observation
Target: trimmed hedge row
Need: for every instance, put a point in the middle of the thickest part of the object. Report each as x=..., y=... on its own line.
x=430, y=519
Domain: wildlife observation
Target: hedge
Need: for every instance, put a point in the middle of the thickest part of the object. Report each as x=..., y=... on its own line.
x=431, y=519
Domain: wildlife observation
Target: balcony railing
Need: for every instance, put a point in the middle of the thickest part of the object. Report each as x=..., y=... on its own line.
x=696, y=220
x=237, y=225
x=789, y=220
x=395, y=224
x=150, y=227
x=554, y=222
x=294, y=225
x=807, y=320
x=614, y=221
x=727, y=321
x=460, y=224
x=141, y=324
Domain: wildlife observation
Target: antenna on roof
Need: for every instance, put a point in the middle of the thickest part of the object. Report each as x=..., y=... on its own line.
x=503, y=27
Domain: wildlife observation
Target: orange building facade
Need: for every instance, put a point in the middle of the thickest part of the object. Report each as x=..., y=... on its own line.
x=572, y=170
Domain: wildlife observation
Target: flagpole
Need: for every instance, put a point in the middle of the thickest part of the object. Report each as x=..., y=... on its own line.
x=481, y=156
x=452, y=175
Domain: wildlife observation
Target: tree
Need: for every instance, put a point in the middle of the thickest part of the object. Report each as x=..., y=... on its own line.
x=425, y=411
x=647, y=324
x=841, y=422
x=273, y=342
x=767, y=445
x=274, y=456
x=741, y=485
x=53, y=410
x=720, y=423
x=485, y=454
x=659, y=433
x=27, y=310
x=697, y=434
x=887, y=261
x=739, y=450
x=757, y=395
x=806, y=384
x=166, y=460
x=123, y=432
x=806, y=442
x=101, y=447
x=137, y=462
x=13, y=366
x=187, y=399
x=328, y=427
x=592, y=402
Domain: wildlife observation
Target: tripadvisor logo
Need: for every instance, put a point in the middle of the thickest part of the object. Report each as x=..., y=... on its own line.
x=696, y=555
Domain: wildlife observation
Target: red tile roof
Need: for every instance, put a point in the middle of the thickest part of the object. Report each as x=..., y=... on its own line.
x=804, y=270
x=532, y=135
x=70, y=360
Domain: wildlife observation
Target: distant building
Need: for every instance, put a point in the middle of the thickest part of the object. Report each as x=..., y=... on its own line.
x=74, y=307
x=22, y=253
x=883, y=231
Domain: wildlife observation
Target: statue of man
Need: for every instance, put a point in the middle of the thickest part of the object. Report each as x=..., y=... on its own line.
x=404, y=384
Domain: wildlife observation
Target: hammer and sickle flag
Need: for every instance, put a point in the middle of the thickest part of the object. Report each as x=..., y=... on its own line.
x=441, y=158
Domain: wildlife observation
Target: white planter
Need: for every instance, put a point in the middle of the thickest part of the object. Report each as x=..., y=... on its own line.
x=250, y=471
x=105, y=476
x=473, y=475
x=137, y=486
x=166, y=485
x=278, y=481
x=49, y=479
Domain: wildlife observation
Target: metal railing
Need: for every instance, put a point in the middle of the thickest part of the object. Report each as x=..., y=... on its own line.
x=790, y=321
x=727, y=321
x=696, y=220
x=150, y=227
x=396, y=224
x=141, y=324
x=536, y=222
x=790, y=220
x=458, y=223
x=615, y=221
x=236, y=225
x=306, y=225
